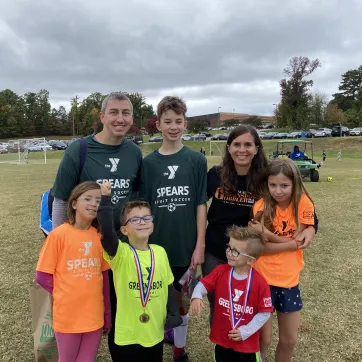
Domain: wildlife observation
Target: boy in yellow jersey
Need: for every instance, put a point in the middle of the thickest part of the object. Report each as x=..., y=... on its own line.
x=142, y=280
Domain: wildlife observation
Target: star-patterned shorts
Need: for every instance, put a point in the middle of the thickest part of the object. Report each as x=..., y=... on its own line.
x=286, y=300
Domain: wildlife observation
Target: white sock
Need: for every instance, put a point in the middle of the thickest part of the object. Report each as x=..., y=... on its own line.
x=181, y=332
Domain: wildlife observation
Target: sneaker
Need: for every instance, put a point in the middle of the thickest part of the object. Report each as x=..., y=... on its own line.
x=168, y=336
x=183, y=357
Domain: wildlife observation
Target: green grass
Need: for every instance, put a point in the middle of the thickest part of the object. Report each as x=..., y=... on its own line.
x=331, y=329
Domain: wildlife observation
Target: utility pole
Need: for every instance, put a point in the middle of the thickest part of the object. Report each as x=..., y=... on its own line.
x=75, y=101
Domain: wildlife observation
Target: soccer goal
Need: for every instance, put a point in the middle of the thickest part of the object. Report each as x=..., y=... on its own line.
x=17, y=151
x=217, y=148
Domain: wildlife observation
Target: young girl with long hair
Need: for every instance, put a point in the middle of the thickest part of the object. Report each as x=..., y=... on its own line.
x=284, y=212
x=71, y=267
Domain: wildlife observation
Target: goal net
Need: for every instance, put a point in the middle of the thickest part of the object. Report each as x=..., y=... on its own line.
x=217, y=148
x=18, y=151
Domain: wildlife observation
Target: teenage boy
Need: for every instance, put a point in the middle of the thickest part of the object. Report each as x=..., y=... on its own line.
x=173, y=181
x=242, y=299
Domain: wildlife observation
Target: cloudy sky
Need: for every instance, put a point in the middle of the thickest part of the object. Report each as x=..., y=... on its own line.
x=213, y=53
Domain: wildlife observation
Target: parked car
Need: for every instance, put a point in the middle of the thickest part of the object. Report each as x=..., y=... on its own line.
x=216, y=136
x=262, y=135
x=187, y=137
x=338, y=131
x=207, y=134
x=323, y=132
x=57, y=145
x=220, y=137
x=3, y=149
x=269, y=135
x=14, y=147
x=295, y=134
x=199, y=137
x=156, y=139
x=281, y=135
x=356, y=131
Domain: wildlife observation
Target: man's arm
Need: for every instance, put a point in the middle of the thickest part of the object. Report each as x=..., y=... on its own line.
x=66, y=179
x=59, y=212
x=198, y=257
x=109, y=238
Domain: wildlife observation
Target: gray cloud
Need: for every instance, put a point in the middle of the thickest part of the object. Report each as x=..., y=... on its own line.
x=213, y=53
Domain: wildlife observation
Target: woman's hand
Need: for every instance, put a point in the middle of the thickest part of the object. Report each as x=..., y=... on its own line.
x=305, y=237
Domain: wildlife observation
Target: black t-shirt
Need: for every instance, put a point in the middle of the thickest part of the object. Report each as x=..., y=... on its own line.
x=225, y=210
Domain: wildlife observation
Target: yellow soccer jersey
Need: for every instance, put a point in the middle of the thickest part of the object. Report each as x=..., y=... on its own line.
x=129, y=329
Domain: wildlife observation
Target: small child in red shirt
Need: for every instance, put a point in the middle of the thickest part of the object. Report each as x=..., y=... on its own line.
x=242, y=299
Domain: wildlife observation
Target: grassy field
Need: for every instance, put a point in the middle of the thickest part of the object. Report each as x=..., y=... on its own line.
x=331, y=282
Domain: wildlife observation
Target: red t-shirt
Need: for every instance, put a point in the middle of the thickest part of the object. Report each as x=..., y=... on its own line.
x=259, y=302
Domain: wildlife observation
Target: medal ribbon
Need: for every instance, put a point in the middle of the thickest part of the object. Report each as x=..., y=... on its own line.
x=145, y=295
x=234, y=321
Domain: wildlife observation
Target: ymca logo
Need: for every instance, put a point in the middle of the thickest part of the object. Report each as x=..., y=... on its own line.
x=87, y=246
x=238, y=293
x=114, y=164
x=172, y=173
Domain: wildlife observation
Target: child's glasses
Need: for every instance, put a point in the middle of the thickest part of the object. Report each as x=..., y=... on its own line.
x=236, y=253
x=90, y=200
x=137, y=219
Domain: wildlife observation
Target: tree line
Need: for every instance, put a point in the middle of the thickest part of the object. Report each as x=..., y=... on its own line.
x=31, y=114
x=299, y=108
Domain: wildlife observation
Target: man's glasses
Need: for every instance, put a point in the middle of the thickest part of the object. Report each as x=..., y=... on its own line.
x=137, y=219
x=236, y=253
x=90, y=200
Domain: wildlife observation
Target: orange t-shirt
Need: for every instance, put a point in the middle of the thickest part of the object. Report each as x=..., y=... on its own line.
x=75, y=258
x=282, y=269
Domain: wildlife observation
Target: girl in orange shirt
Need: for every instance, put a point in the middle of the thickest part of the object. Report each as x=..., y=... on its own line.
x=71, y=268
x=284, y=212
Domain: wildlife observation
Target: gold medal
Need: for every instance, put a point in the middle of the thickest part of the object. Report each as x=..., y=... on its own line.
x=144, y=318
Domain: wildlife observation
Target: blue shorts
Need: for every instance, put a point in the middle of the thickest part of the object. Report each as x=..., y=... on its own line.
x=286, y=300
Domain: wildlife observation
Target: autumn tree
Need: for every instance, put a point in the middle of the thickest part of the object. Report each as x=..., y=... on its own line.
x=334, y=115
x=141, y=110
x=294, y=91
x=150, y=125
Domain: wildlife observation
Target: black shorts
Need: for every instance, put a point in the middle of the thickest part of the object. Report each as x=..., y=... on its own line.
x=222, y=354
x=286, y=300
x=178, y=272
x=137, y=353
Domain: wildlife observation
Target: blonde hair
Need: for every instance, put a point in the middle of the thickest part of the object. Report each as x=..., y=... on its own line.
x=253, y=239
x=289, y=169
x=76, y=193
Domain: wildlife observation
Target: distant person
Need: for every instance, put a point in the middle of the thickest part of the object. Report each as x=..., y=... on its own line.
x=297, y=154
x=324, y=155
x=339, y=155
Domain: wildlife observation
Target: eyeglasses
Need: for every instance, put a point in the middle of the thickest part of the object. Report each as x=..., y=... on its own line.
x=236, y=253
x=137, y=219
x=90, y=200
